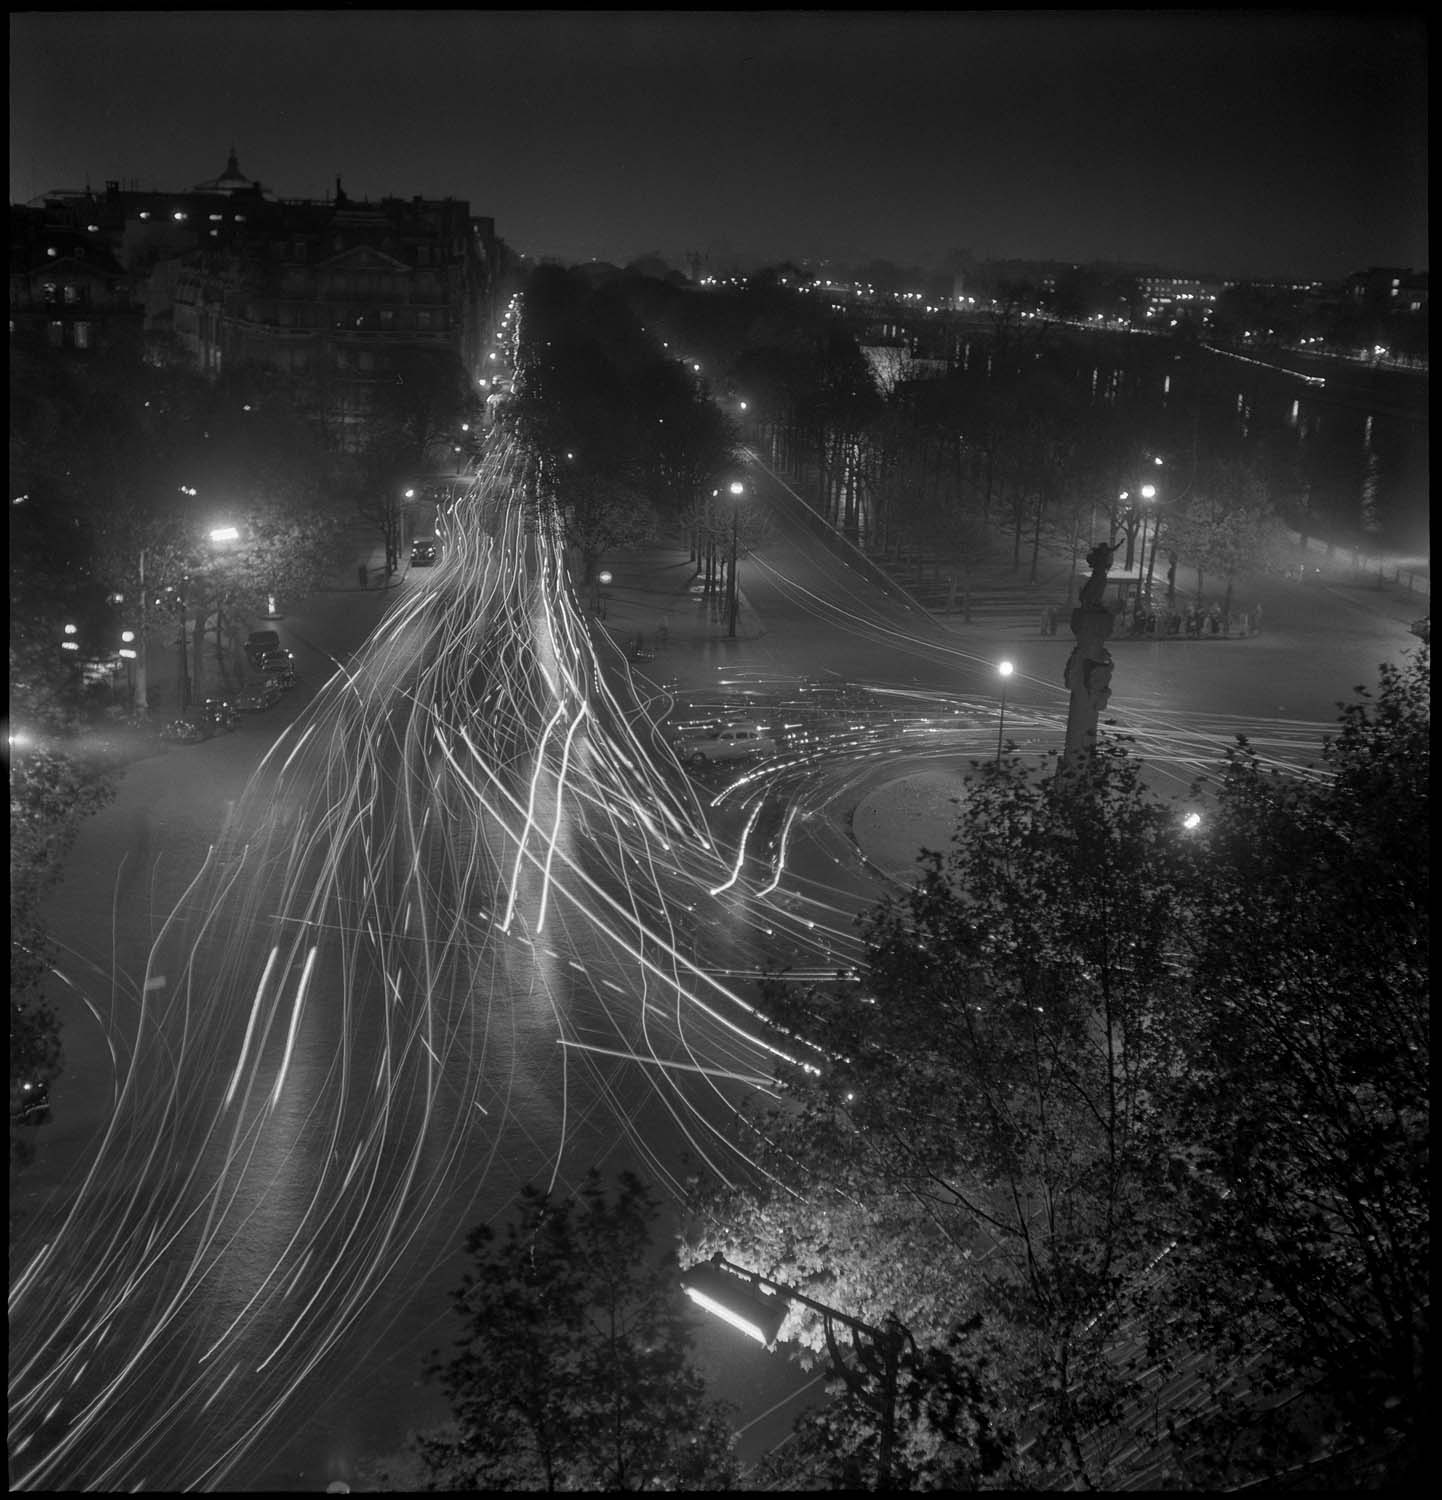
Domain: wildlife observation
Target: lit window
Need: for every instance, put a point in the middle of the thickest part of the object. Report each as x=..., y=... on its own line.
x=82, y=335
x=216, y=218
x=51, y=250
x=144, y=213
x=179, y=215
x=240, y=218
x=72, y=293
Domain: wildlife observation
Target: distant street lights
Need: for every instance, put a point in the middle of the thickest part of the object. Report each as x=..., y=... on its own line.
x=737, y=490
x=1005, y=670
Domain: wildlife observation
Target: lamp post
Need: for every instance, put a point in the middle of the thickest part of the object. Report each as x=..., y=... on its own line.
x=135, y=652
x=1152, y=560
x=737, y=490
x=1005, y=670
x=1149, y=493
x=219, y=536
x=129, y=655
x=756, y=1306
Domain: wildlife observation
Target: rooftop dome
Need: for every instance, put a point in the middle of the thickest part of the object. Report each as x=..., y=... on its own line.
x=232, y=180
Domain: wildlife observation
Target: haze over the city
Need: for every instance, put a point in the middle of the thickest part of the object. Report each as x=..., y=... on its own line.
x=1233, y=143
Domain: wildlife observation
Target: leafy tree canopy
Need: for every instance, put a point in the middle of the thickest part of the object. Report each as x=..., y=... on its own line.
x=1132, y=1121
x=573, y=1370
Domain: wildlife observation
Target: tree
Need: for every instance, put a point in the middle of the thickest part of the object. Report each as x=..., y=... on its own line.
x=594, y=515
x=1226, y=524
x=573, y=1368
x=1144, y=1113
x=420, y=405
x=54, y=786
x=1307, y=1090
x=989, y=1140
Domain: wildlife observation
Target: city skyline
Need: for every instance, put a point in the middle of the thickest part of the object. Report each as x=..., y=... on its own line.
x=1237, y=145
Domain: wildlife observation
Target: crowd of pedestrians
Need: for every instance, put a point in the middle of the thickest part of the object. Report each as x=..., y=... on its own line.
x=1195, y=621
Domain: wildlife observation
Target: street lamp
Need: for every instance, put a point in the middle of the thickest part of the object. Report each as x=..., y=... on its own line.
x=218, y=537
x=757, y=1306
x=184, y=660
x=1005, y=669
x=743, y=1302
x=1156, y=537
x=737, y=490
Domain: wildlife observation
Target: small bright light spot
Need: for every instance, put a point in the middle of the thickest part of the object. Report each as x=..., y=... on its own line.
x=225, y=534
x=1005, y=668
x=70, y=629
x=1192, y=820
x=127, y=635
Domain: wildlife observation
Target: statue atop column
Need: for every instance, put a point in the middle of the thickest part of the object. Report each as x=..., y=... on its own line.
x=1099, y=560
x=1088, y=673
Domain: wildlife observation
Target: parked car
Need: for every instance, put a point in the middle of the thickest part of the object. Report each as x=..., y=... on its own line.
x=280, y=665
x=258, y=696
x=423, y=553
x=219, y=713
x=258, y=643
x=730, y=742
x=187, y=731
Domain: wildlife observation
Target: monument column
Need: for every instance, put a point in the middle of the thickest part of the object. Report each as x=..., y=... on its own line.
x=1088, y=672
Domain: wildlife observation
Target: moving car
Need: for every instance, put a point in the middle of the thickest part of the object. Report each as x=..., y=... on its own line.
x=730, y=742
x=423, y=553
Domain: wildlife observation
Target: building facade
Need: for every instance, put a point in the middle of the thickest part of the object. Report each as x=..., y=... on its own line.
x=341, y=292
x=67, y=289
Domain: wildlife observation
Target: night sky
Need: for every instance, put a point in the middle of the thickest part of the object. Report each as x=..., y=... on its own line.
x=1237, y=143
